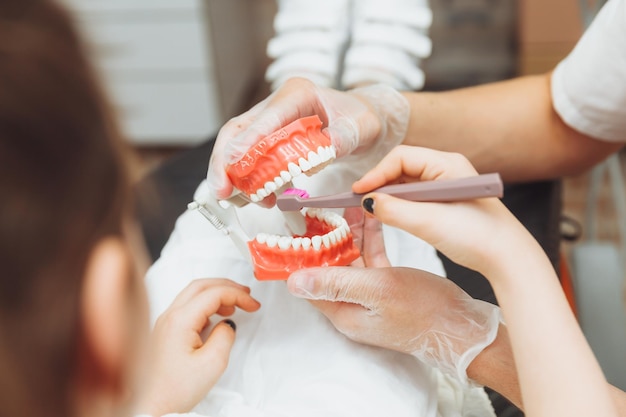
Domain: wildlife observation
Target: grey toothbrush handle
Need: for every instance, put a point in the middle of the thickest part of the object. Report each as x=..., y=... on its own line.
x=480, y=186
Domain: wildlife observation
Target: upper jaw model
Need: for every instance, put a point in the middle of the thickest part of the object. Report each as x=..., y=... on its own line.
x=269, y=167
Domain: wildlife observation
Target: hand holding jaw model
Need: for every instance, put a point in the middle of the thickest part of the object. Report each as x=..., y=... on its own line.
x=254, y=153
x=365, y=121
x=269, y=167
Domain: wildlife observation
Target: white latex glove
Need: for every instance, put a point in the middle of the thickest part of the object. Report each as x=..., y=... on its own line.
x=403, y=309
x=368, y=119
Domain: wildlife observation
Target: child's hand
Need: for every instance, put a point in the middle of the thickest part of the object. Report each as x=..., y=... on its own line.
x=184, y=367
x=477, y=233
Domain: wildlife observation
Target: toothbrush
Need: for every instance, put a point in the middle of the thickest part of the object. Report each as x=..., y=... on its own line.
x=480, y=186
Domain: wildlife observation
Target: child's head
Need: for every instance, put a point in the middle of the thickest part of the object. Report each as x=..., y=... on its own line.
x=64, y=214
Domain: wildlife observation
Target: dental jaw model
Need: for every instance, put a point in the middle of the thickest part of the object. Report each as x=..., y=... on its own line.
x=269, y=167
x=298, y=148
x=327, y=242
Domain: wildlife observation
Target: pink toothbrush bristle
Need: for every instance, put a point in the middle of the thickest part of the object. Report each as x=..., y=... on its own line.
x=296, y=191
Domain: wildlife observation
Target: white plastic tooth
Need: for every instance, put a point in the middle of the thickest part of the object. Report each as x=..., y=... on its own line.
x=296, y=242
x=333, y=152
x=332, y=236
x=286, y=177
x=279, y=182
x=272, y=241
x=306, y=243
x=327, y=154
x=304, y=164
x=321, y=152
x=328, y=218
x=262, y=193
x=254, y=198
x=261, y=237
x=284, y=242
x=294, y=169
x=316, y=241
x=270, y=187
x=314, y=159
x=338, y=235
x=326, y=241
x=344, y=232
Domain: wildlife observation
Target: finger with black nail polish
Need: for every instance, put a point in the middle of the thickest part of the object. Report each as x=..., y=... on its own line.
x=231, y=324
x=368, y=205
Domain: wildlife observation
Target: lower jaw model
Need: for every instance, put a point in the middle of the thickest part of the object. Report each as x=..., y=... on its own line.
x=269, y=167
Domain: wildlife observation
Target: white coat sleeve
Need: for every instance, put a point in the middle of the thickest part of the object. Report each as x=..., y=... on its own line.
x=589, y=85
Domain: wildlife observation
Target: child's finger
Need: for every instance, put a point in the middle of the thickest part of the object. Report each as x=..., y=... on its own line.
x=222, y=299
x=414, y=162
x=226, y=311
x=196, y=312
x=199, y=285
x=415, y=218
x=216, y=350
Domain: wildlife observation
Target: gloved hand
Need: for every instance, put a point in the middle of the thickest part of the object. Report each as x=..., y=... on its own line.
x=403, y=309
x=372, y=119
x=367, y=235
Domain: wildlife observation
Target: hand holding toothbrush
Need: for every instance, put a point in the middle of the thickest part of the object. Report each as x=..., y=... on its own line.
x=483, y=235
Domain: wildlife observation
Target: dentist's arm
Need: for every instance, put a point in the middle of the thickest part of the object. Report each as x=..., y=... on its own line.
x=508, y=127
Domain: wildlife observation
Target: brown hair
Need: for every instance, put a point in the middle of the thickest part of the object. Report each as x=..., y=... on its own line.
x=63, y=186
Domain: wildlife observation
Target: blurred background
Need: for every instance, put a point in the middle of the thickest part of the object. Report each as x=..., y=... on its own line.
x=178, y=69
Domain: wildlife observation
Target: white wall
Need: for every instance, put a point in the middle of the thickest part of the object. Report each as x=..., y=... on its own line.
x=176, y=70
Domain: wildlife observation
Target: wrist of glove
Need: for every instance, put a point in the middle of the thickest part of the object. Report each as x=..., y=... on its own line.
x=392, y=112
x=380, y=127
x=458, y=336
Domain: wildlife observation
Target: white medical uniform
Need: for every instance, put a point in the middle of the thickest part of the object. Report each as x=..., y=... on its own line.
x=589, y=85
x=288, y=359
